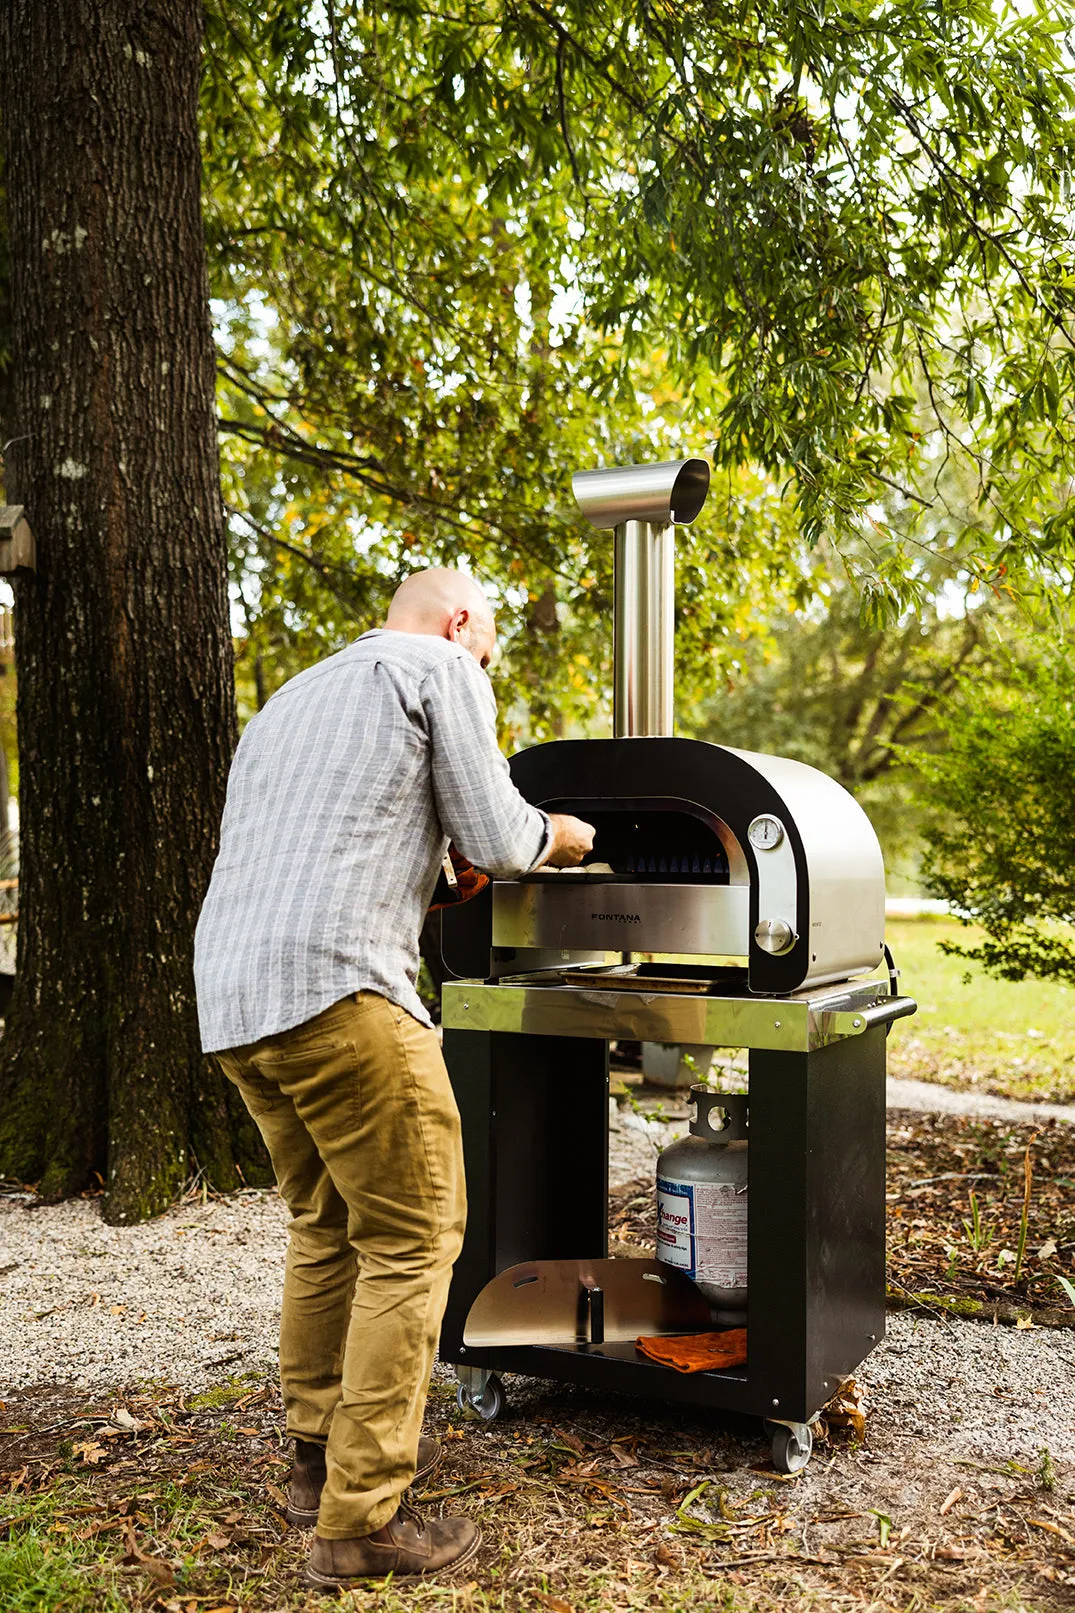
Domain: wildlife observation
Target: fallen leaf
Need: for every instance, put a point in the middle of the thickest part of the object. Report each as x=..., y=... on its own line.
x=847, y=1409
x=572, y=1441
x=1053, y=1529
x=218, y=1542
x=90, y=1451
x=100, y=1526
x=1023, y=1322
x=277, y=1494
x=1047, y=1250
x=500, y=1487
x=950, y=1500
x=667, y=1557
x=555, y=1604
x=252, y=1433
x=161, y=1571
x=123, y=1419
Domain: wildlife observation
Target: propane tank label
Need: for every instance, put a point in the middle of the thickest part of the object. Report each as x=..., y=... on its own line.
x=675, y=1225
x=702, y=1229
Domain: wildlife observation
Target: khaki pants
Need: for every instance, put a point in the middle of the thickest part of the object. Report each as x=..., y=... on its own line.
x=363, y=1131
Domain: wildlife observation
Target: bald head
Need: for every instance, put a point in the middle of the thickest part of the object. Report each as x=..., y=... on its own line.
x=446, y=604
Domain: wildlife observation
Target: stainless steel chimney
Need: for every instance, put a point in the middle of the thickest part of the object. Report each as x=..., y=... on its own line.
x=644, y=504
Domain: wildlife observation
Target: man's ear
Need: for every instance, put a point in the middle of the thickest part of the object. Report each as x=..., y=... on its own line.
x=458, y=620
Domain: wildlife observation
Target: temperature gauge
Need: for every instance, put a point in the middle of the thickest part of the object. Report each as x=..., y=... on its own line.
x=765, y=832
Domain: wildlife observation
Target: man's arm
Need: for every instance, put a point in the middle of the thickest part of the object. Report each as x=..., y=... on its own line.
x=479, y=807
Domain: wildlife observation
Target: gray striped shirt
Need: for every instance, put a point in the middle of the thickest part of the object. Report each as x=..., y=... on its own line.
x=341, y=799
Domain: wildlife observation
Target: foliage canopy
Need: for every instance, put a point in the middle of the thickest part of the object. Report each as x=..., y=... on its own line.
x=1001, y=847
x=458, y=252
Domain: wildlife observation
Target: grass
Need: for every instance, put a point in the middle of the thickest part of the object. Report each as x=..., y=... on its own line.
x=42, y=1576
x=1016, y=1039
x=90, y=1545
x=222, y=1394
x=45, y=1567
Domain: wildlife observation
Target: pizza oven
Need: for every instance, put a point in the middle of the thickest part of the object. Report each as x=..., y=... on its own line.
x=702, y=853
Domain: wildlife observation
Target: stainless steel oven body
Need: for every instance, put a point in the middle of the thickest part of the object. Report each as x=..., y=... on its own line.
x=792, y=889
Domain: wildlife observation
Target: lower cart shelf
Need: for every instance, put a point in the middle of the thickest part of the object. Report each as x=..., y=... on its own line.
x=622, y=1369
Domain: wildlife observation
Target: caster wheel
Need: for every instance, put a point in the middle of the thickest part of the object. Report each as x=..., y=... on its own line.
x=488, y=1405
x=791, y=1448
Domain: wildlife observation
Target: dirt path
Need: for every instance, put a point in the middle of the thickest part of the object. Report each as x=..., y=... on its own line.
x=929, y=1098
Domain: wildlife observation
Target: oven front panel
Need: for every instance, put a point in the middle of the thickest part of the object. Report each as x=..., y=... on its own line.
x=570, y=912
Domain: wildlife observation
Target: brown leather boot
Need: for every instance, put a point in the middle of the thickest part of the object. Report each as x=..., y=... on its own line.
x=406, y=1545
x=307, y=1482
x=308, y=1477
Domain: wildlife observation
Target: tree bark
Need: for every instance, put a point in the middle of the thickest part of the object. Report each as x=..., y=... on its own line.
x=126, y=709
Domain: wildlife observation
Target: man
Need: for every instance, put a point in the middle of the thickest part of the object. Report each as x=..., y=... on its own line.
x=342, y=795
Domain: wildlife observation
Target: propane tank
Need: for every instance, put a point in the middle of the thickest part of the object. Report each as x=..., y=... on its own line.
x=702, y=1202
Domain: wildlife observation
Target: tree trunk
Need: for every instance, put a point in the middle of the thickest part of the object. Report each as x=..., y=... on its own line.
x=123, y=651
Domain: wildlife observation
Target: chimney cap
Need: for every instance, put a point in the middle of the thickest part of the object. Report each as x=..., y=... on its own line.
x=671, y=492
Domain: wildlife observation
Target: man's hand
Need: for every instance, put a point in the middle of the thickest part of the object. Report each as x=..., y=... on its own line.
x=572, y=839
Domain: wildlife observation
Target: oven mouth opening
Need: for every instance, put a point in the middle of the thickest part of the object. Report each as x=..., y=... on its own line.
x=652, y=840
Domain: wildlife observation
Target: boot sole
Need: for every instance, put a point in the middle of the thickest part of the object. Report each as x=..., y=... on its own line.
x=300, y=1520
x=323, y=1582
x=428, y=1471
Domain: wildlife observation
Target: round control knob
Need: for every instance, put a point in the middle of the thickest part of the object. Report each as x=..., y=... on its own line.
x=775, y=936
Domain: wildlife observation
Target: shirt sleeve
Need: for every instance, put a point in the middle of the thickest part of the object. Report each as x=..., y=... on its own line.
x=479, y=807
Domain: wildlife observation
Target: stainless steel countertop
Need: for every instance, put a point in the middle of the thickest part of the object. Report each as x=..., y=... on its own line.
x=541, y=1005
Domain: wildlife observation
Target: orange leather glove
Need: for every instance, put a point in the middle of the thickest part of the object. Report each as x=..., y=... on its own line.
x=698, y=1352
x=458, y=882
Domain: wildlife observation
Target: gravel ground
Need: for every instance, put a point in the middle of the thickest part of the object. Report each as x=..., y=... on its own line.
x=187, y=1297
x=191, y=1299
